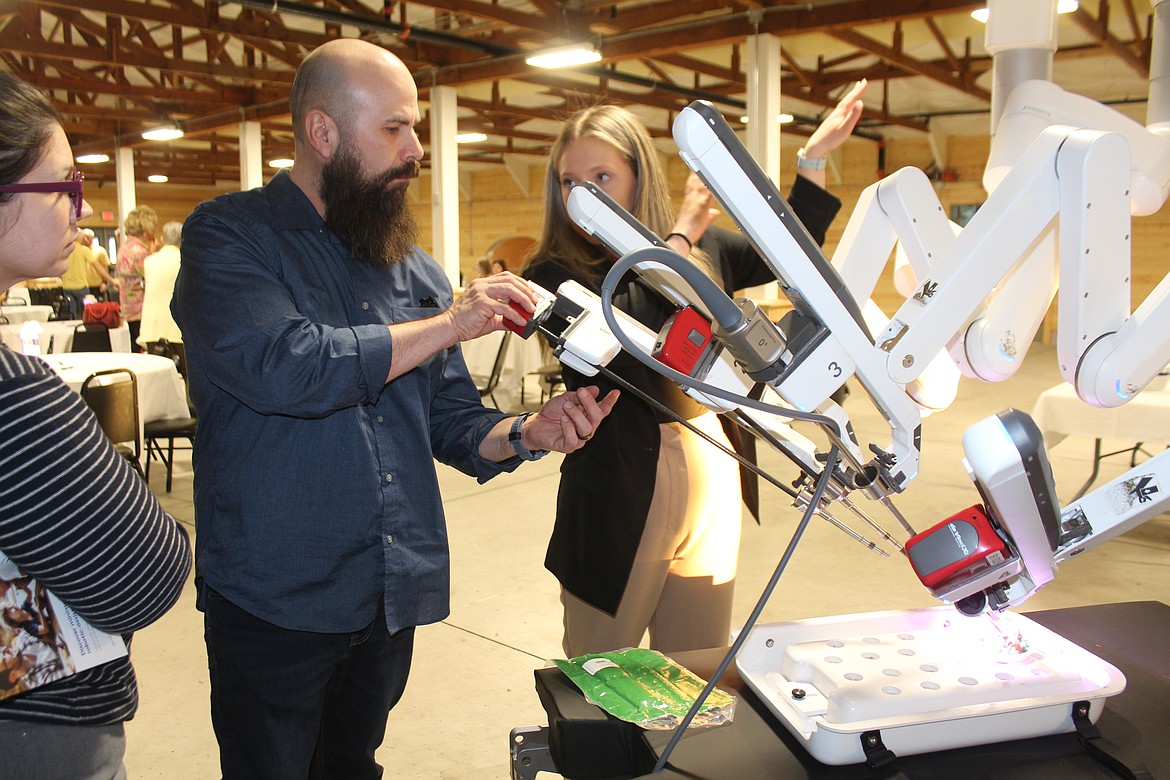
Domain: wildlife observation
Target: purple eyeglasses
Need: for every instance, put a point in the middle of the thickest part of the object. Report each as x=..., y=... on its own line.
x=71, y=186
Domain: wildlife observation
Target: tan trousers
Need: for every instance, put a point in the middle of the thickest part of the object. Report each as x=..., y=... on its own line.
x=683, y=576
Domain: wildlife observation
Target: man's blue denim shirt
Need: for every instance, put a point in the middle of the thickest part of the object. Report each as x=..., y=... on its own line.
x=316, y=497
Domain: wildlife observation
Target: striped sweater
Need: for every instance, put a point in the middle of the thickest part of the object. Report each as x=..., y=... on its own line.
x=75, y=516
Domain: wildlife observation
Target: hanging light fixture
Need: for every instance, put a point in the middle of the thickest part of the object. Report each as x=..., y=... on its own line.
x=470, y=138
x=281, y=162
x=167, y=132
x=565, y=56
x=89, y=159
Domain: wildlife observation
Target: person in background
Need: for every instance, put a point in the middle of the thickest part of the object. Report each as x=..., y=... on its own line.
x=482, y=268
x=141, y=227
x=323, y=353
x=75, y=280
x=499, y=266
x=98, y=278
x=647, y=528
x=159, y=272
x=109, y=551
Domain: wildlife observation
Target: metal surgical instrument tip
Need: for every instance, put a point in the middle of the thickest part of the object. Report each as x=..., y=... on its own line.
x=858, y=537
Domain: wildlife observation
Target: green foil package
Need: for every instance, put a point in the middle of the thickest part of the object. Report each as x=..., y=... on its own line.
x=646, y=688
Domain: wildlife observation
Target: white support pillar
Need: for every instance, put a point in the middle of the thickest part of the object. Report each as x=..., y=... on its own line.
x=763, y=130
x=251, y=155
x=763, y=102
x=445, y=181
x=124, y=182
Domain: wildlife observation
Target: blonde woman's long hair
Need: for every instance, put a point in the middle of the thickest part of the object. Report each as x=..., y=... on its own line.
x=619, y=128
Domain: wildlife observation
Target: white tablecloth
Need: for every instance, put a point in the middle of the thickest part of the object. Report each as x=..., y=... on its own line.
x=1060, y=413
x=161, y=393
x=57, y=336
x=523, y=357
x=20, y=313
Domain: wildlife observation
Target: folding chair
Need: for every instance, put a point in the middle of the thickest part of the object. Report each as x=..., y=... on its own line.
x=91, y=338
x=115, y=404
x=156, y=431
x=488, y=388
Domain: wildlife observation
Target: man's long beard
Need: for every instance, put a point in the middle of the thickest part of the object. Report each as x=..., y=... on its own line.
x=372, y=219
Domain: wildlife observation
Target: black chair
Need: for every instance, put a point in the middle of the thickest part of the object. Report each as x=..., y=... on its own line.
x=91, y=338
x=115, y=404
x=488, y=388
x=157, y=431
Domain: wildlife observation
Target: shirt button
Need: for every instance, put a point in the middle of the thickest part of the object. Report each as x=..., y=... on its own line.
x=389, y=477
x=389, y=539
x=379, y=419
x=365, y=305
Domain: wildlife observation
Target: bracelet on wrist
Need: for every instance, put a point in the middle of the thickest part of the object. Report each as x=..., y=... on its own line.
x=809, y=164
x=683, y=236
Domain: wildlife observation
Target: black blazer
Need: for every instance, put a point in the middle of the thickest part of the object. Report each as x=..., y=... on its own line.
x=606, y=487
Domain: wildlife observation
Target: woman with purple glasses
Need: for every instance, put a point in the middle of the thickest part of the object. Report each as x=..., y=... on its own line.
x=74, y=516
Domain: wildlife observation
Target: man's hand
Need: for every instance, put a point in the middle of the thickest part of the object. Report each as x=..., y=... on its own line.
x=567, y=421
x=484, y=305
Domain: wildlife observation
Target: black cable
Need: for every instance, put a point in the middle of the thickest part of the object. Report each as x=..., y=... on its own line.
x=822, y=484
x=678, y=263
x=626, y=385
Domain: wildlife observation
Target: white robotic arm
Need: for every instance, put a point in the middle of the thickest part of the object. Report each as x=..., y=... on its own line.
x=988, y=286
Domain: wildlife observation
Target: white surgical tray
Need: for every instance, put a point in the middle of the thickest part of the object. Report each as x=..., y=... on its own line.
x=927, y=680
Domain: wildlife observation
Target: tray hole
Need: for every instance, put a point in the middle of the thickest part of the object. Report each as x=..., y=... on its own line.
x=835, y=643
x=928, y=668
x=891, y=673
x=891, y=690
x=1004, y=676
x=853, y=676
x=906, y=636
x=968, y=681
x=869, y=656
x=832, y=659
x=931, y=685
x=871, y=640
x=905, y=651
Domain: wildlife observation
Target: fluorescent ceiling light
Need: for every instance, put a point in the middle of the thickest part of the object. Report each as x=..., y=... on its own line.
x=1062, y=7
x=164, y=133
x=565, y=57
x=470, y=138
x=281, y=162
x=157, y=178
x=93, y=158
x=780, y=118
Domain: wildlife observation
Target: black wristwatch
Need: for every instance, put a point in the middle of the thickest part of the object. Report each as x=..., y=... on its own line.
x=514, y=437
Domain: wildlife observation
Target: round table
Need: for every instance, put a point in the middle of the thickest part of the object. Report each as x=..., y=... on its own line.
x=161, y=393
x=57, y=336
x=22, y=313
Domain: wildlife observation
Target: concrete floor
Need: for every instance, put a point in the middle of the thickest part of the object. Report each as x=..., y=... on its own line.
x=472, y=680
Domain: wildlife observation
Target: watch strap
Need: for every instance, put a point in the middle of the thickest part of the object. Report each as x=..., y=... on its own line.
x=514, y=436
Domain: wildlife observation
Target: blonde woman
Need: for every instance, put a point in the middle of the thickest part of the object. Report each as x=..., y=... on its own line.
x=646, y=536
x=141, y=227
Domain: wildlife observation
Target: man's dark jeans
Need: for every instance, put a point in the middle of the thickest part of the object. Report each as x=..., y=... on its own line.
x=290, y=705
